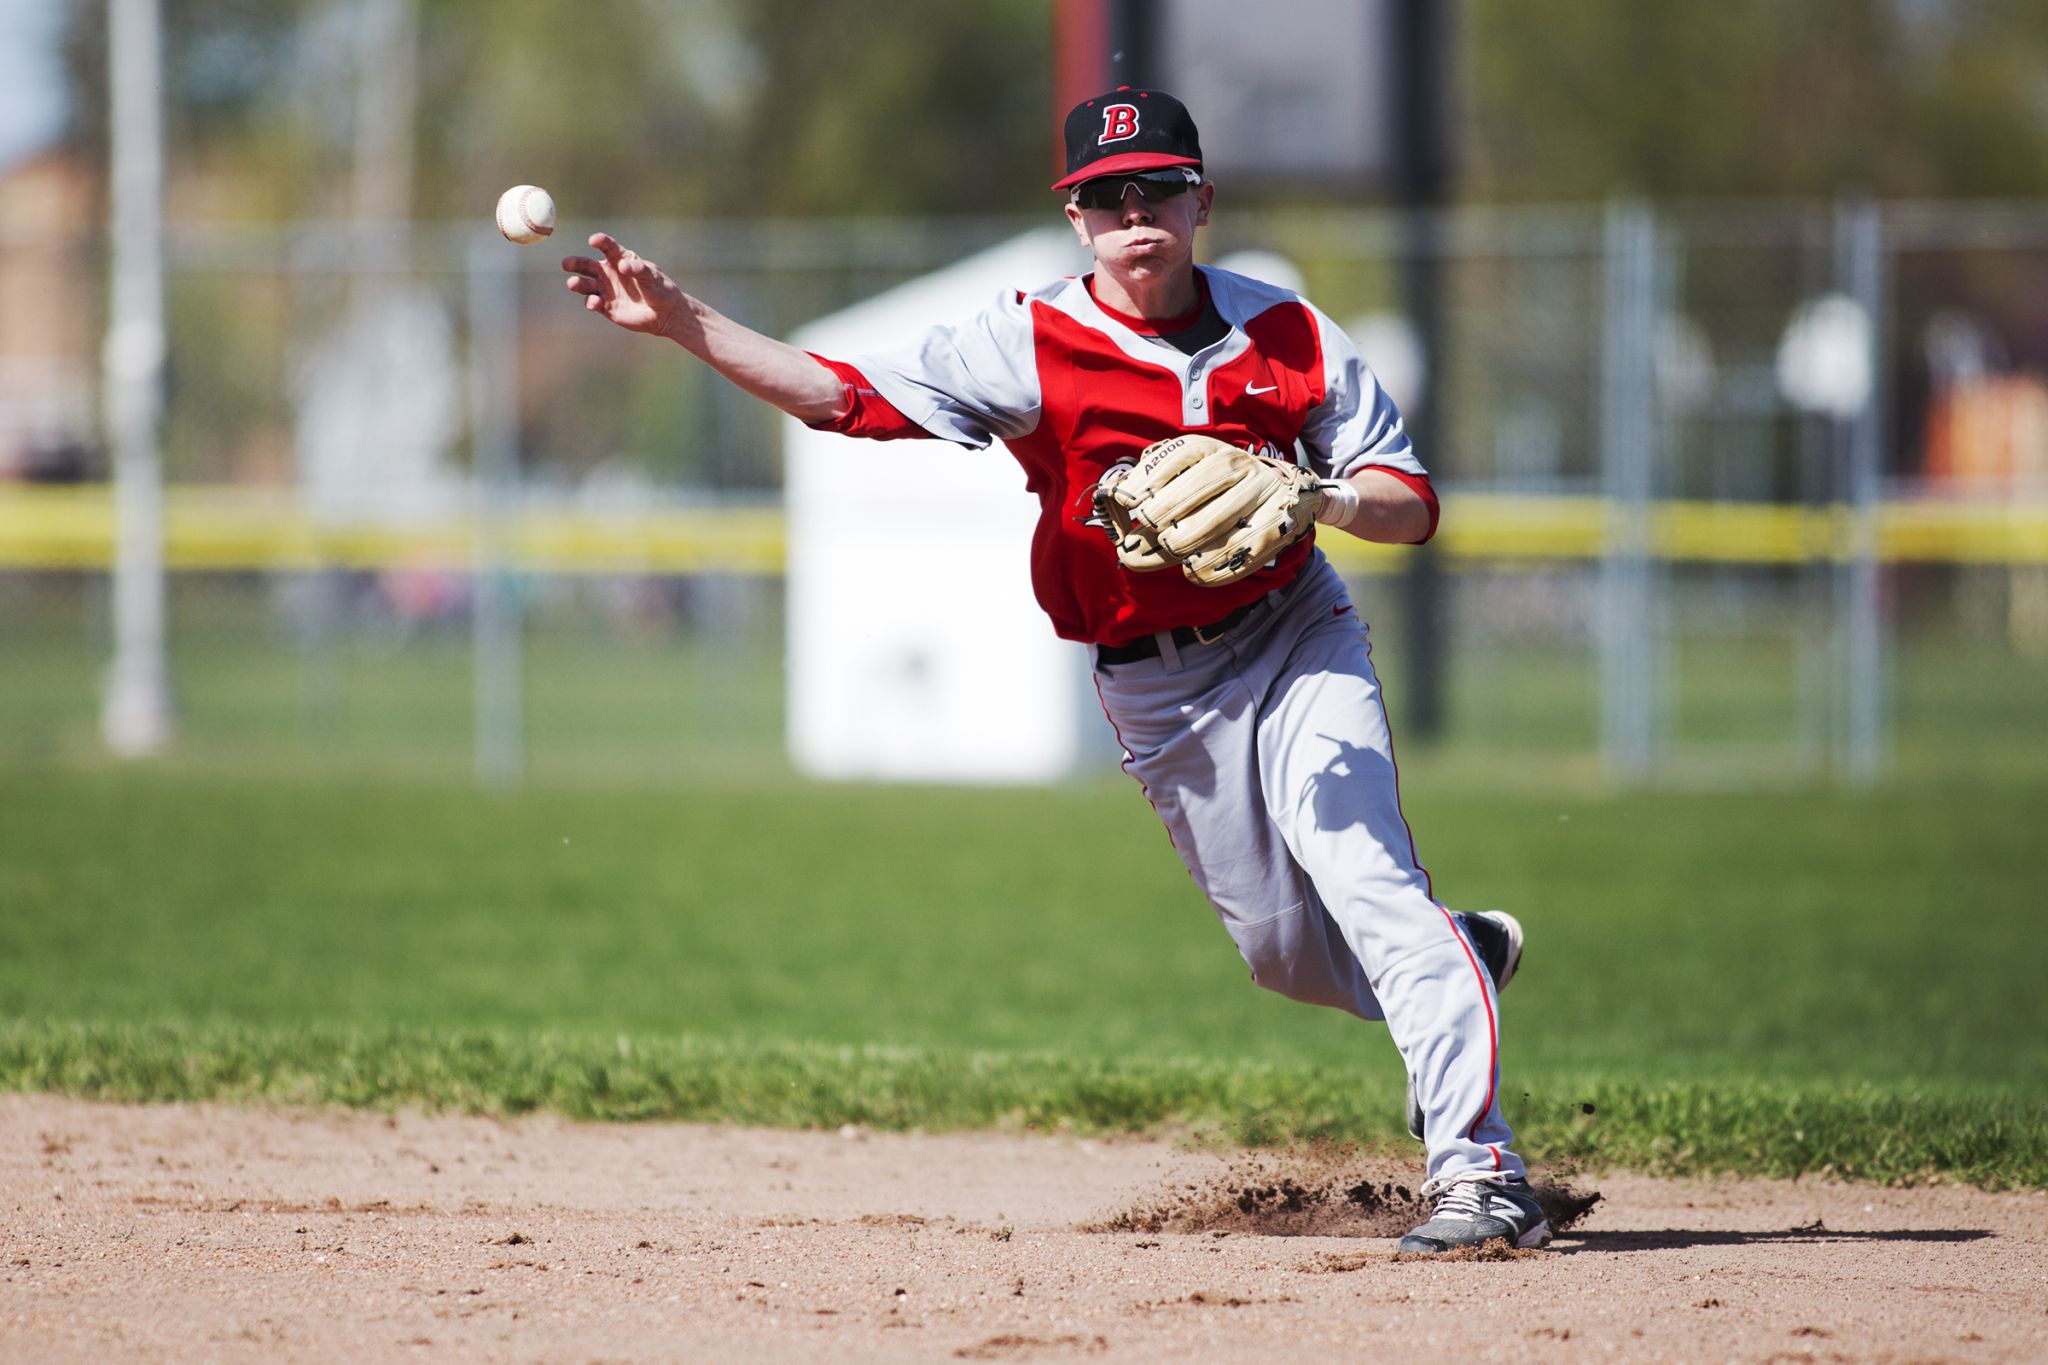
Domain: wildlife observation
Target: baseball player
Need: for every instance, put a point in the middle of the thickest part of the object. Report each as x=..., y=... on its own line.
x=1185, y=431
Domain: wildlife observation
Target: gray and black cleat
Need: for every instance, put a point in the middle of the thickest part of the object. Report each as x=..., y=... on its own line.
x=1474, y=1212
x=1497, y=938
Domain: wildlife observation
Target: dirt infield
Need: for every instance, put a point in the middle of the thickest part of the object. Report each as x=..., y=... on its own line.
x=204, y=1233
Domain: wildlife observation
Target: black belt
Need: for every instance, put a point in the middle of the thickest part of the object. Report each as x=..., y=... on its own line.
x=1147, y=646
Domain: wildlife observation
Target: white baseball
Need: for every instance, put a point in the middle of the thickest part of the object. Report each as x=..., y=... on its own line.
x=526, y=213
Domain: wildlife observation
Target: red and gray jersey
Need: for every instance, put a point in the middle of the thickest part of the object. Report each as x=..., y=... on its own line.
x=1071, y=388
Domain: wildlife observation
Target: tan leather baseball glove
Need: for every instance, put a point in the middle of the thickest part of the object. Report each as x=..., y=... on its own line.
x=1215, y=510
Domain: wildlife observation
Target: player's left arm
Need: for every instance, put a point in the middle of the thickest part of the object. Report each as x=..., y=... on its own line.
x=1392, y=508
x=1354, y=437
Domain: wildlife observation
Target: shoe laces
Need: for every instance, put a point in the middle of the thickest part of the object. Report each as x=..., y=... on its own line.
x=1466, y=1199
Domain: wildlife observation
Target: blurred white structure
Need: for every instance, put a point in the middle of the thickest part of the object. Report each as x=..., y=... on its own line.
x=378, y=414
x=916, y=650
x=1824, y=358
x=1393, y=350
x=1269, y=266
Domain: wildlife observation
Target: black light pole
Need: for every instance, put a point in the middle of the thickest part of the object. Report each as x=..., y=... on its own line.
x=1421, y=41
x=1134, y=42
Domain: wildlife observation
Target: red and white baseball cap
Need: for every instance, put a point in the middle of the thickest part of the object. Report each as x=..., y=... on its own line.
x=1128, y=130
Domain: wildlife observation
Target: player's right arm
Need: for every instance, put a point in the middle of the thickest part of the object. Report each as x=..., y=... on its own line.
x=634, y=293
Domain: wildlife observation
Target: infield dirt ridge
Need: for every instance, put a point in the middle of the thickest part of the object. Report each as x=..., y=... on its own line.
x=179, y=1232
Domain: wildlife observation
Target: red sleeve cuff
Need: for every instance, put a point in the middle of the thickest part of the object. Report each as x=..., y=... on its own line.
x=867, y=414
x=1419, y=485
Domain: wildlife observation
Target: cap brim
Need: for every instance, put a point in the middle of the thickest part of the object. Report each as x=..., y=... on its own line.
x=1124, y=161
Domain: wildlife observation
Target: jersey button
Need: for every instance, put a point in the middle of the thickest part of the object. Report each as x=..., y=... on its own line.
x=1195, y=403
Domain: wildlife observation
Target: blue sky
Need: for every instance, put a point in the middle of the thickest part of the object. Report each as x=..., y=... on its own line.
x=31, y=76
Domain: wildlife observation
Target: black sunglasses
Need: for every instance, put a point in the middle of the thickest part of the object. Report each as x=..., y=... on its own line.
x=1107, y=192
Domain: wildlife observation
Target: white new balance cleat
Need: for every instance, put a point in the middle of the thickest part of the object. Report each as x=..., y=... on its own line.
x=1497, y=937
x=1472, y=1213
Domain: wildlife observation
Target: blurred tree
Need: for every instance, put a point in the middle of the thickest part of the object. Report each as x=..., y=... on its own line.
x=740, y=107
x=924, y=106
x=746, y=107
x=1580, y=98
x=631, y=107
x=612, y=105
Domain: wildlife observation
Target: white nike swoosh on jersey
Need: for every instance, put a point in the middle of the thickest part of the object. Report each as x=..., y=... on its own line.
x=1254, y=388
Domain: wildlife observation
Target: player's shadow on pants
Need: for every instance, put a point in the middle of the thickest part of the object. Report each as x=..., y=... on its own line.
x=1337, y=798
x=1677, y=1239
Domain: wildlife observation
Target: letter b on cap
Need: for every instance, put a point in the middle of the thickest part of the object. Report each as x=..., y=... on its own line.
x=1119, y=122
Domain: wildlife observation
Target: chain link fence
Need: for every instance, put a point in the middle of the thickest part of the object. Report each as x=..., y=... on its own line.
x=1628, y=398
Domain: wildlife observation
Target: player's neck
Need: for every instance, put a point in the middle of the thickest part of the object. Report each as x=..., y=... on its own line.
x=1156, y=298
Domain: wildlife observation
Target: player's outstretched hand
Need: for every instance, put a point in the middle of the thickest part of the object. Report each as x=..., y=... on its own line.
x=625, y=288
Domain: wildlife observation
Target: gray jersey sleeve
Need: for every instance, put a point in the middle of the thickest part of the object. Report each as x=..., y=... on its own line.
x=970, y=383
x=1356, y=424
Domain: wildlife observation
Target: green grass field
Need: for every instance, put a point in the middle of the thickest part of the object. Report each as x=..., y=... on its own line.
x=1783, y=982
x=307, y=901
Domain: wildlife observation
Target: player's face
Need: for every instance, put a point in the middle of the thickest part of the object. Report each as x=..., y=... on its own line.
x=1138, y=227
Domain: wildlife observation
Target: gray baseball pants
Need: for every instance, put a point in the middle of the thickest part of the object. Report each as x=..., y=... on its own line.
x=1267, y=755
